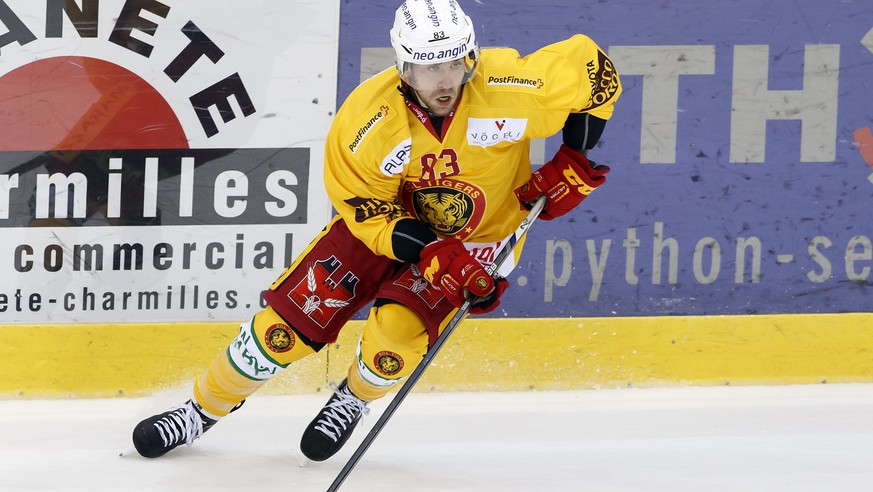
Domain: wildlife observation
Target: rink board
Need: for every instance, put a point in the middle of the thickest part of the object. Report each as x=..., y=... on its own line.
x=733, y=232
x=47, y=361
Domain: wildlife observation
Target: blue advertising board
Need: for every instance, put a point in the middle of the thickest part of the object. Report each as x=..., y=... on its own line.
x=741, y=152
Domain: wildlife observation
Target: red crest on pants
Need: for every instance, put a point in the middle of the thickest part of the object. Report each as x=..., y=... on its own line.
x=324, y=291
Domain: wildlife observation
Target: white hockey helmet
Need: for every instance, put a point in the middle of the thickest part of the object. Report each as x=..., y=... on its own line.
x=430, y=32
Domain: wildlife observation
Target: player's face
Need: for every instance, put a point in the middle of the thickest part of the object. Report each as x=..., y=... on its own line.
x=438, y=86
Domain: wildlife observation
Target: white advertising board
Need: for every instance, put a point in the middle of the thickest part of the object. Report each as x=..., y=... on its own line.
x=159, y=160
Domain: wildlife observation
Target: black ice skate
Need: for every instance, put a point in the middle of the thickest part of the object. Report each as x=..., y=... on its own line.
x=327, y=433
x=155, y=436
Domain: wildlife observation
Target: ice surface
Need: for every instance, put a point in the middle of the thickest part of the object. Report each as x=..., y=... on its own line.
x=736, y=439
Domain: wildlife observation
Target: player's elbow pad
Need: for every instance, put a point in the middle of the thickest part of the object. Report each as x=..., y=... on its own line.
x=409, y=237
x=582, y=131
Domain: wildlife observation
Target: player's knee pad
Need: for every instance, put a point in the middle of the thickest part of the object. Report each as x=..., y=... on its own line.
x=265, y=346
x=393, y=342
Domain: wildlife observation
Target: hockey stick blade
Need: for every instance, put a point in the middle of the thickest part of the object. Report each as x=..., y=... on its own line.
x=503, y=254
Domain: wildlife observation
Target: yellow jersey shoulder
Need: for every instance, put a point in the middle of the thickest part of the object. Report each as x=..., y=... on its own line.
x=573, y=75
x=373, y=120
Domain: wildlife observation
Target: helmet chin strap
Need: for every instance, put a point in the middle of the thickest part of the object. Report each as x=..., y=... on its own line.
x=424, y=106
x=419, y=100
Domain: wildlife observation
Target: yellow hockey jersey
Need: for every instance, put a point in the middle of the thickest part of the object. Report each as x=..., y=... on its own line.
x=383, y=162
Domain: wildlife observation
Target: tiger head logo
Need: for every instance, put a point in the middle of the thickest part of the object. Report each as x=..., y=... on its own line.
x=450, y=207
x=388, y=363
x=446, y=210
x=279, y=338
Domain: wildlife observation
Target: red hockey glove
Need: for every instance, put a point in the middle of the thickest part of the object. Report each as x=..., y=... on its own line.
x=448, y=265
x=566, y=180
x=492, y=300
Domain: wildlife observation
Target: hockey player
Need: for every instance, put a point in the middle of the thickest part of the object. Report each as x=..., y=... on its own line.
x=427, y=166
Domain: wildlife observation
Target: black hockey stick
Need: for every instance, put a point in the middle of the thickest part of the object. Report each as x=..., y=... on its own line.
x=503, y=254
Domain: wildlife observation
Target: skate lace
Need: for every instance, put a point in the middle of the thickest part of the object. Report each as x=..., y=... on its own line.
x=183, y=422
x=340, y=413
